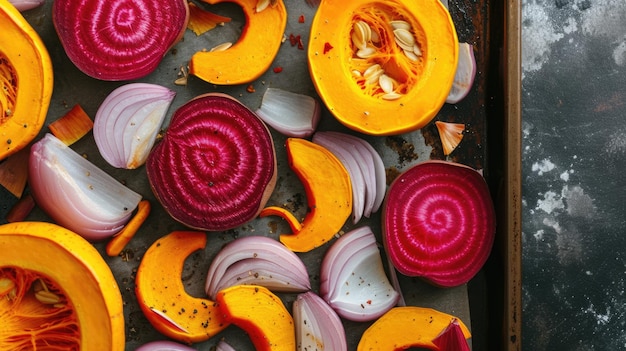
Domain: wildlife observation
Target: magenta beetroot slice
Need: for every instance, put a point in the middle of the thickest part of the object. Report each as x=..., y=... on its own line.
x=117, y=40
x=215, y=167
x=439, y=222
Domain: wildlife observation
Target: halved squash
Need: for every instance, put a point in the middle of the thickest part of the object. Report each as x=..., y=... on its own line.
x=252, y=54
x=383, y=67
x=26, y=80
x=58, y=291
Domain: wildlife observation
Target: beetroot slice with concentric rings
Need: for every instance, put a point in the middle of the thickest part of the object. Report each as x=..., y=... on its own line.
x=117, y=40
x=215, y=167
x=439, y=222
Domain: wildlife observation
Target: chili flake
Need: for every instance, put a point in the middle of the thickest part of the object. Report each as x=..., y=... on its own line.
x=301, y=19
x=278, y=69
x=327, y=47
x=250, y=88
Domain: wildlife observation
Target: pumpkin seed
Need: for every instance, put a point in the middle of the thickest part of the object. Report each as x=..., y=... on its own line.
x=361, y=34
x=6, y=285
x=262, y=5
x=366, y=52
x=356, y=73
x=411, y=55
x=372, y=70
x=400, y=24
x=47, y=297
x=39, y=285
x=416, y=50
x=404, y=38
x=386, y=83
x=392, y=96
x=222, y=46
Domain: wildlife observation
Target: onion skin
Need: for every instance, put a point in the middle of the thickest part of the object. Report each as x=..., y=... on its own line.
x=215, y=167
x=439, y=222
x=77, y=194
x=117, y=40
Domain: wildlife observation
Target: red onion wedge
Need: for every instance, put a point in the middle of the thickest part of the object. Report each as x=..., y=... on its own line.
x=365, y=166
x=128, y=121
x=465, y=74
x=257, y=260
x=117, y=40
x=438, y=222
x=353, y=279
x=77, y=194
x=164, y=346
x=215, y=167
x=291, y=114
x=318, y=327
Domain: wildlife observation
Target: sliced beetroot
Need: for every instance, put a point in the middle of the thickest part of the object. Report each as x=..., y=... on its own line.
x=215, y=167
x=439, y=222
x=117, y=40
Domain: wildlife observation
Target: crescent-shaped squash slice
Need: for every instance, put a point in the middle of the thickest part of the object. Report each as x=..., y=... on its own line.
x=328, y=191
x=383, y=67
x=56, y=291
x=26, y=81
x=261, y=314
x=252, y=54
x=161, y=293
x=403, y=327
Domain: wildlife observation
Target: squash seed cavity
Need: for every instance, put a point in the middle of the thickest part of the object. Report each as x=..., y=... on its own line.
x=387, y=50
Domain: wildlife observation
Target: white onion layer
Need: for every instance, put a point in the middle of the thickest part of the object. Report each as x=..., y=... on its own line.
x=128, y=121
x=76, y=193
x=291, y=114
x=353, y=280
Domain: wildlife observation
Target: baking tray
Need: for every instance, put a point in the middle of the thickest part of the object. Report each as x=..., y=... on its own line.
x=489, y=304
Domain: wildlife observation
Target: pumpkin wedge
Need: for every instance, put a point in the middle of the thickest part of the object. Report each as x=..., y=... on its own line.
x=26, y=81
x=261, y=314
x=328, y=191
x=403, y=327
x=161, y=293
x=383, y=67
x=252, y=54
x=58, y=291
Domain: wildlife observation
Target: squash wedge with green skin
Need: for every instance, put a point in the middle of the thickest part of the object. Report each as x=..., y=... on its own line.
x=261, y=314
x=418, y=74
x=26, y=81
x=403, y=327
x=80, y=307
x=252, y=54
x=328, y=191
x=161, y=293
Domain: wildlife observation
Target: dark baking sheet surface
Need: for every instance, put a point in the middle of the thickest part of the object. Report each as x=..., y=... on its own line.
x=399, y=152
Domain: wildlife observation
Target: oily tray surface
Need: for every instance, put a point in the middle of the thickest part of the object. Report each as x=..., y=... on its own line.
x=289, y=71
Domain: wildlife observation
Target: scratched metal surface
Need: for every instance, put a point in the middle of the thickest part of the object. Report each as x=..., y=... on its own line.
x=398, y=152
